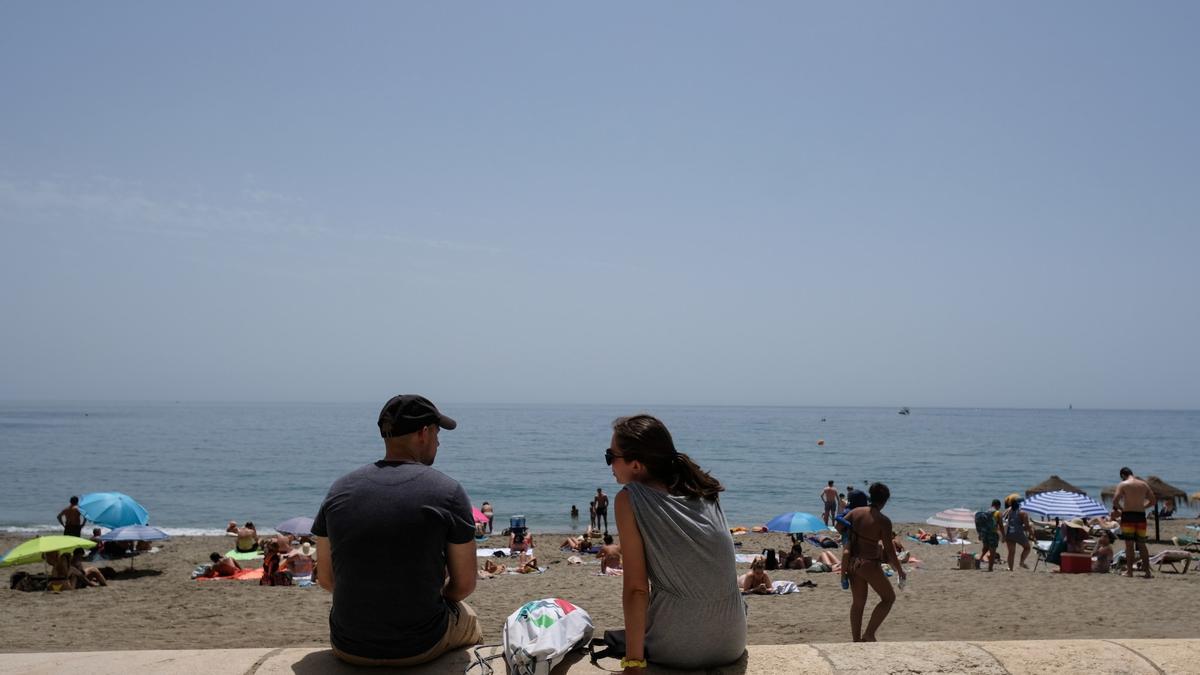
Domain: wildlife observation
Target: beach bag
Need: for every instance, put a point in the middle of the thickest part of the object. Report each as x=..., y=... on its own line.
x=540, y=634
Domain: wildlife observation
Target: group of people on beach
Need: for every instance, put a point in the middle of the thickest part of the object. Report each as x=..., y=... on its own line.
x=287, y=560
x=1127, y=520
x=676, y=551
x=77, y=568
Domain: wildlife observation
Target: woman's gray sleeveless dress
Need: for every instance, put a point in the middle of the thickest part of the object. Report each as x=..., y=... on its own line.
x=696, y=617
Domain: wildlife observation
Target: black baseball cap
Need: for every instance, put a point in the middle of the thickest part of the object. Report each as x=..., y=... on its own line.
x=407, y=413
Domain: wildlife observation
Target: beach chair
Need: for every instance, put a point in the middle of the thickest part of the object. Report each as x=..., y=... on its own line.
x=1050, y=552
x=1172, y=558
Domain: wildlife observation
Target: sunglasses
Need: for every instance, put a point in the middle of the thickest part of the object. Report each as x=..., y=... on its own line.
x=609, y=456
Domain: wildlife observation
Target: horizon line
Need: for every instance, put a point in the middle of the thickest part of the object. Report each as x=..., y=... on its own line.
x=587, y=404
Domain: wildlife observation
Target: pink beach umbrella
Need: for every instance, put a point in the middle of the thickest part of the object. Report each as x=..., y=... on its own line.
x=479, y=517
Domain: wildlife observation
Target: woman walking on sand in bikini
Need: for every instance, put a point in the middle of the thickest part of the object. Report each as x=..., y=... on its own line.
x=871, y=538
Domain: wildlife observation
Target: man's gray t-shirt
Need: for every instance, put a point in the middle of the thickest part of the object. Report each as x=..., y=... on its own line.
x=388, y=524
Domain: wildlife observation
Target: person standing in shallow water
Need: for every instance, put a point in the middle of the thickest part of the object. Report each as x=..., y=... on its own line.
x=680, y=598
x=871, y=538
x=601, y=509
x=72, y=519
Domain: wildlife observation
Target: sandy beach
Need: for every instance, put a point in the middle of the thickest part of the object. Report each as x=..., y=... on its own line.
x=157, y=606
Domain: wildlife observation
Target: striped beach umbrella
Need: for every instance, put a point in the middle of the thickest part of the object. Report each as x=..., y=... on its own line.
x=962, y=519
x=1063, y=504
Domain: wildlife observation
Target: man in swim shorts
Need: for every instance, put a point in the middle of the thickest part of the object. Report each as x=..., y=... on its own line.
x=1133, y=497
x=601, y=509
x=829, y=495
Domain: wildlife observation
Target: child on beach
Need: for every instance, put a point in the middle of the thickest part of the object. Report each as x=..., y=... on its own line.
x=1104, y=554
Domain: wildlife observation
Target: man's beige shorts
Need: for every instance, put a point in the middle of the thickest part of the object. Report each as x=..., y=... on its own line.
x=461, y=630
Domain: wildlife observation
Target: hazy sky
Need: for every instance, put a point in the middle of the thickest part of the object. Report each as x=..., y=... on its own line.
x=915, y=203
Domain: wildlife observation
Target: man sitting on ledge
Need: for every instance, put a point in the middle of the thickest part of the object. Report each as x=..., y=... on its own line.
x=396, y=547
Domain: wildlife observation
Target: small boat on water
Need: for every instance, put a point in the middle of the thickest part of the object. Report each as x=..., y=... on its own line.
x=905, y=411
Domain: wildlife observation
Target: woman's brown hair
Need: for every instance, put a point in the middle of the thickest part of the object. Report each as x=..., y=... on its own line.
x=645, y=438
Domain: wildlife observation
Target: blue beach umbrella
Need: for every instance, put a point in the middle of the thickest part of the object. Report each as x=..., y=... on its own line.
x=113, y=509
x=1063, y=504
x=301, y=526
x=796, y=522
x=135, y=533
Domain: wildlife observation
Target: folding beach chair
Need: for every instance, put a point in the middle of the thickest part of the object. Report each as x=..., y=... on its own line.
x=1171, y=558
x=1050, y=552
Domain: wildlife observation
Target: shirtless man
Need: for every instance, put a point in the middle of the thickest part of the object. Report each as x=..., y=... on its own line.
x=869, y=545
x=72, y=519
x=1133, y=497
x=222, y=566
x=601, y=509
x=609, y=555
x=247, y=536
x=829, y=495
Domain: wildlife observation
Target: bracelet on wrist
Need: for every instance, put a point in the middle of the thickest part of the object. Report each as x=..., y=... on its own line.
x=633, y=663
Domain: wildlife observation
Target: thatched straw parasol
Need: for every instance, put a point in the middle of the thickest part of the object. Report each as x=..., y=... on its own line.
x=1051, y=484
x=1164, y=490
x=1195, y=498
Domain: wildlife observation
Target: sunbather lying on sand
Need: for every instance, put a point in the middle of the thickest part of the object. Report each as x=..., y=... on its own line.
x=530, y=566
x=756, y=580
x=491, y=569
x=222, y=566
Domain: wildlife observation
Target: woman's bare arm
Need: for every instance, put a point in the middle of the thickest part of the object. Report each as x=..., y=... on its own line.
x=635, y=596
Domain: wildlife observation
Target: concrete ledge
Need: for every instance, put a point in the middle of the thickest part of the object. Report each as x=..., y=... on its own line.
x=1012, y=658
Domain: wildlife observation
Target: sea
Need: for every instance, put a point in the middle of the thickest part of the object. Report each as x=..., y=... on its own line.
x=196, y=466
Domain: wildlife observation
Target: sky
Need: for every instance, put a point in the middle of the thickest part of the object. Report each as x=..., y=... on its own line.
x=769, y=203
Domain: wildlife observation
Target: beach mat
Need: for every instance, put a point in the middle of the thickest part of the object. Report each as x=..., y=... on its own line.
x=489, y=552
x=942, y=541
x=540, y=571
x=245, y=575
x=745, y=557
x=237, y=555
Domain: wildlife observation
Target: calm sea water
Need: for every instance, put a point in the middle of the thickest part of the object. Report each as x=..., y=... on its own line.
x=195, y=466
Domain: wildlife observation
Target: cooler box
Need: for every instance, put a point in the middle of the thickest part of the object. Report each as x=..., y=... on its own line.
x=516, y=522
x=1076, y=563
x=966, y=561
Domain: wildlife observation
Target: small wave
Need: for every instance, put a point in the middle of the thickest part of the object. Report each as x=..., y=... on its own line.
x=30, y=529
x=192, y=531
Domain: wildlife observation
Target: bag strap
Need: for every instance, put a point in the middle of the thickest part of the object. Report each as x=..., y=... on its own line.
x=482, y=661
